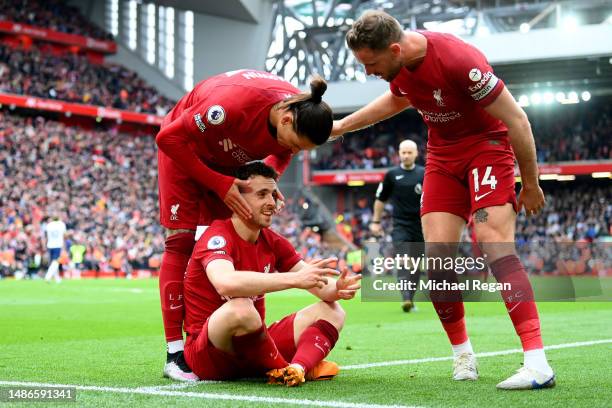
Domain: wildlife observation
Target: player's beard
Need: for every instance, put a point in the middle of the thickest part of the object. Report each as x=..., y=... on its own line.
x=394, y=70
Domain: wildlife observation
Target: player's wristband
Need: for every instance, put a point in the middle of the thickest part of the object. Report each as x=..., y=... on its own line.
x=374, y=222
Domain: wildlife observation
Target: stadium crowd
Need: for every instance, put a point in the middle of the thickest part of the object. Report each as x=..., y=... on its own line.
x=54, y=15
x=562, y=133
x=575, y=213
x=75, y=78
x=103, y=185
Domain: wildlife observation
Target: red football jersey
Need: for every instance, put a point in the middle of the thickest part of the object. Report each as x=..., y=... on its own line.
x=269, y=254
x=450, y=88
x=226, y=118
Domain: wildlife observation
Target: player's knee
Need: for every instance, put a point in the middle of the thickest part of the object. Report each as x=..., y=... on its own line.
x=494, y=245
x=333, y=313
x=242, y=315
x=440, y=249
x=488, y=233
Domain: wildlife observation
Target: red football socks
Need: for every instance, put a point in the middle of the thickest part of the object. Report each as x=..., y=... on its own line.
x=178, y=248
x=519, y=300
x=315, y=343
x=449, y=307
x=259, y=348
x=452, y=317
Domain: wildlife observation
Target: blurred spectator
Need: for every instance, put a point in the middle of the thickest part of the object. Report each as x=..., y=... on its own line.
x=305, y=239
x=576, y=212
x=74, y=78
x=53, y=15
x=77, y=255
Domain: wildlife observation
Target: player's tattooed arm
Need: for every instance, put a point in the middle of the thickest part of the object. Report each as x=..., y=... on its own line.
x=481, y=216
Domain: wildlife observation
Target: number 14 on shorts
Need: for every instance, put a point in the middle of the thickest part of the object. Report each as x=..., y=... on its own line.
x=487, y=179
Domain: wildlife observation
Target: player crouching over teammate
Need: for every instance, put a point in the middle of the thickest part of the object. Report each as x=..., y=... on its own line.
x=228, y=275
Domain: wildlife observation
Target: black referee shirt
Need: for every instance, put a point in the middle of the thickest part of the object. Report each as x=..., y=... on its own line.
x=403, y=188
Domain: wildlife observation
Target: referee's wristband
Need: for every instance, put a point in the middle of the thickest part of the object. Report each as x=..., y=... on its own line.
x=374, y=222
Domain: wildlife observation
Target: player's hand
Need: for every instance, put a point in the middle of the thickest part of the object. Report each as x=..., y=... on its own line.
x=376, y=229
x=280, y=201
x=532, y=199
x=234, y=200
x=315, y=274
x=347, y=285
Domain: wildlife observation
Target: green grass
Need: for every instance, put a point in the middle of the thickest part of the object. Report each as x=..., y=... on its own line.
x=109, y=333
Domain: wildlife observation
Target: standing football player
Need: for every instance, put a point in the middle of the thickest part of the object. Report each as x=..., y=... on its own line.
x=224, y=122
x=476, y=129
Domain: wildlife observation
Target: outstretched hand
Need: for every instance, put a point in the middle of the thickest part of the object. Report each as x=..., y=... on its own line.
x=280, y=201
x=347, y=284
x=315, y=274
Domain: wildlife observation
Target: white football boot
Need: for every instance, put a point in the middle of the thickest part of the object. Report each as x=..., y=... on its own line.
x=528, y=379
x=465, y=367
x=176, y=368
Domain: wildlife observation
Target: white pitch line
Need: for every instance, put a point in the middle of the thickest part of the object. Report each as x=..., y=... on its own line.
x=487, y=354
x=207, y=396
x=177, y=386
x=159, y=390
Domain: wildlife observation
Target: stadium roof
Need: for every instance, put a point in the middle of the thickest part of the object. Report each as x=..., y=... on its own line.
x=241, y=10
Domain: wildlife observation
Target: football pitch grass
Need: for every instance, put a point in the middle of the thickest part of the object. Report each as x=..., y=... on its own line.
x=104, y=337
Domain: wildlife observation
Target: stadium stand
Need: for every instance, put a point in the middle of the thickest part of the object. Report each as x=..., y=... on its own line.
x=104, y=184
x=53, y=15
x=70, y=77
x=103, y=181
x=565, y=133
x=576, y=212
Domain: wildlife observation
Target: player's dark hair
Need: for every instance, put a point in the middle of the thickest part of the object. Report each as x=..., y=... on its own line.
x=375, y=30
x=312, y=117
x=256, y=168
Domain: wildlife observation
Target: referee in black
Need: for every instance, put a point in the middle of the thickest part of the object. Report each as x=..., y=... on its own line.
x=403, y=185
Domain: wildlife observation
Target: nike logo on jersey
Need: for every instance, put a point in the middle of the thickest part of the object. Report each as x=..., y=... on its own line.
x=173, y=307
x=399, y=177
x=478, y=197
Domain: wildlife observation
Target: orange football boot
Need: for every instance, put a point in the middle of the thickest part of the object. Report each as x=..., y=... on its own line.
x=324, y=370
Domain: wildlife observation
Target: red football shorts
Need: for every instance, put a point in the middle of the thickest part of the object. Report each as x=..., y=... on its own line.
x=461, y=186
x=182, y=202
x=210, y=363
